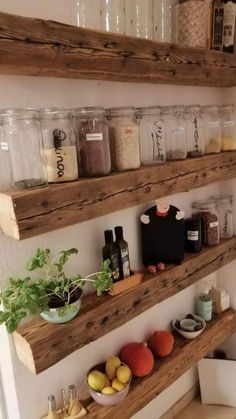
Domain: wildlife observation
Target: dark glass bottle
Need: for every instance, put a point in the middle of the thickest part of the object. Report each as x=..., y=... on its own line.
x=229, y=25
x=217, y=25
x=123, y=252
x=110, y=252
x=193, y=235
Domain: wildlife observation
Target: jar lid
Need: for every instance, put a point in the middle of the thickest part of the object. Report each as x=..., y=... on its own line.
x=90, y=112
x=227, y=108
x=192, y=109
x=121, y=111
x=210, y=108
x=173, y=110
x=222, y=199
x=204, y=204
x=55, y=113
x=17, y=113
x=150, y=110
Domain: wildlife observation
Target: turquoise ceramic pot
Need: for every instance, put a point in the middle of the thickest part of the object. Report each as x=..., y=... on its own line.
x=53, y=315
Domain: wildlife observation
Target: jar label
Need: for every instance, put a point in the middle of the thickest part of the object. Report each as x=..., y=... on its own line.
x=95, y=136
x=228, y=123
x=214, y=124
x=178, y=130
x=214, y=224
x=192, y=235
x=4, y=145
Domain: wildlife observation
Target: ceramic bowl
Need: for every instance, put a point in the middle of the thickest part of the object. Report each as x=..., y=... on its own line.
x=107, y=399
x=190, y=335
x=53, y=314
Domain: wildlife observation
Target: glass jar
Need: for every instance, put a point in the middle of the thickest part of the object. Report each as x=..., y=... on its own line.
x=93, y=142
x=58, y=132
x=89, y=14
x=212, y=129
x=5, y=163
x=228, y=140
x=195, y=135
x=163, y=16
x=139, y=18
x=124, y=138
x=206, y=210
x=152, y=136
x=193, y=23
x=113, y=16
x=21, y=133
x=224, y=208
x=176, y=132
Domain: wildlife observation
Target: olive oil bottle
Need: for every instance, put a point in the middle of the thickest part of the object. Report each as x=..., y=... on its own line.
x=123, y=251
x=111, y=252
x=217, y=25
x=229, y=25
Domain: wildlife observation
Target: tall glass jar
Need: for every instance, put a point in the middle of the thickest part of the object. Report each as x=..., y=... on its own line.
x=228, y=140
x=113, y=16
x=176, y=132
x=124, y=138
x=21, y=133
x=206, y=210
x=212, y=129
x=89, y=14
x=5, y=163
x=152, y=136
x=224, y=208
x=58, y=132
x=93, y=142
x=193, y=23
x=163, y=17
x=195, y=135
x=139, y=18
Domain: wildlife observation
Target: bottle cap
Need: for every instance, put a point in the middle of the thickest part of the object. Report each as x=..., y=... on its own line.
x=72, y=392
x=51, y=403
x=108, y=236
x=119, y=232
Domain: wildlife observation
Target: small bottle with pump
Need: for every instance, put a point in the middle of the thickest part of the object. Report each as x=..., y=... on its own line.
x=123, y=251
x=74, y=403
x=204, y=306
x=52, y=411
x=110, y=252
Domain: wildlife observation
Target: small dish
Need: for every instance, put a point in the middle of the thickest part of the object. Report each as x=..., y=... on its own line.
x=190, y=335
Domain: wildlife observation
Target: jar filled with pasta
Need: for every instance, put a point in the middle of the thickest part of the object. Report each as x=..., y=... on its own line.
x=212, y=129
x=228, y=140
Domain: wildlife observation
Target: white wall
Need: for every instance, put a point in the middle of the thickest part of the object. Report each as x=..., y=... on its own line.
x=29, y=402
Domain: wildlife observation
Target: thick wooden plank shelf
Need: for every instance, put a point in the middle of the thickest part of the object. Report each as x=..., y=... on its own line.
x=26, y=214
x=44, y=48
x=40, y=345
x=184, y=356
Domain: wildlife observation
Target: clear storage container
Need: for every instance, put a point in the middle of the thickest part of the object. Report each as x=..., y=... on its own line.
x=163, y=17
x=195, y=135
x=228, y=140
x=124, y=138
x=89, y=14
x=192, y=23
x=93, y=141
x=113, y=16
x=21, y=134
x=57, y=126
x=139, y=18
x=176, y=132
x=224, y=208
x=5, y=163
x=152, y=136
x=206, y=210
x=212, y=129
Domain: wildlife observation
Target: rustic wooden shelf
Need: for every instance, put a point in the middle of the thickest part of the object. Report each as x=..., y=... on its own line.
x=28, y=213
x=40, y=344
x=38, y=47
x=185, y=355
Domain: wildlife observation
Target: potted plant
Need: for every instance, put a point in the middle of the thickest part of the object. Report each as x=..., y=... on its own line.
x=55, y=296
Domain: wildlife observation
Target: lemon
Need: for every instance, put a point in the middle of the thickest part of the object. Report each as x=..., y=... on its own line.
x=108, y=390
x=123, y=374
x=117, y=384
x=96, y=380
x=111, y=366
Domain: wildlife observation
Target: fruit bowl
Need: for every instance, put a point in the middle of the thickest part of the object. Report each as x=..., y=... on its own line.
x=107, y=399
x=187, y=333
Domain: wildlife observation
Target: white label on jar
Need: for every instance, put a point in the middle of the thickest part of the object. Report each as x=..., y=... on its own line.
x=4, y=145
x=214, y=124
x=98, y=136
x=192, y=235
x=178, y=130
x=228, y=124
x=215, y=224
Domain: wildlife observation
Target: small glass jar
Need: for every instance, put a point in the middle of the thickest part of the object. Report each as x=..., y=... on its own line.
x=58, y=132
x=124, y=138
x=139, y=18
x=206, y=210
x=5, y=163
x=212, y=129
x=195, y=135
x=152, y=136
x=163, y=17
x=113, y=16
x=224, y=208
x=176, y=132
x=228, y=140
x=193, y=23
x=93, y=142
x=21, y=134
x=89, y=14
x=193, y=235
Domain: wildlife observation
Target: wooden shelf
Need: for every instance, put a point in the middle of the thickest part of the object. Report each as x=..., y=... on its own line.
x=28, y=213
x=38, y=47
x=185, y=355
x=40, y=344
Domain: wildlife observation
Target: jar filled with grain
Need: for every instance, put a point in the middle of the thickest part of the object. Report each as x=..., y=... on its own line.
x=212, y=129
x=176, y=132
x=93, y=141
x=195, y=136
x=224, y=208
x=228, y=140
x=192, y=23
x=206, y=211
x=152, y=136
x=124, y=138
x=58, y=132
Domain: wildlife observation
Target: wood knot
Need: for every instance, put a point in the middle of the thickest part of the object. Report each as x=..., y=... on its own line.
x=126, y=54
x=110, y=44
x=148, y=189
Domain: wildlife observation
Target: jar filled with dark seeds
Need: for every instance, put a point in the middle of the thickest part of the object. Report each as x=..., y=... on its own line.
x=206, y=210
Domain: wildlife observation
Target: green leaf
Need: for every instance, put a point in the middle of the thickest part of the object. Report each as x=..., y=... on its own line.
x=4, y=316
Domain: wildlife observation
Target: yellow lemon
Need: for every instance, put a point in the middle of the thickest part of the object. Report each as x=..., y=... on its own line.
x=96, y=380
x=111, y=366
x=123, y=374
x=117, y=384
x=108, y=390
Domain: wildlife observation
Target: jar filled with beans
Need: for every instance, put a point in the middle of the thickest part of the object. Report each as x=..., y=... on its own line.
x=206, y=211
